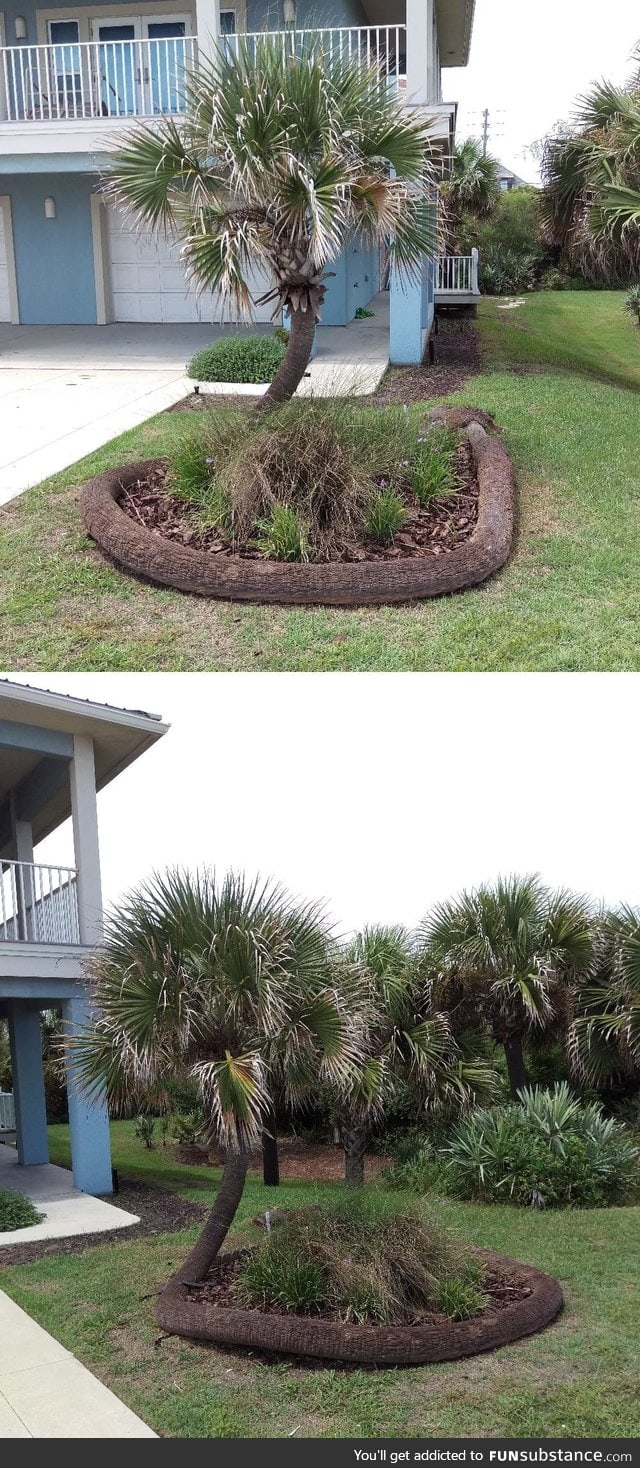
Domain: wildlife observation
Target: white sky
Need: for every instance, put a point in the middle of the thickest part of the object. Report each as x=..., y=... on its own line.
x=378, y=792
x=529, y=61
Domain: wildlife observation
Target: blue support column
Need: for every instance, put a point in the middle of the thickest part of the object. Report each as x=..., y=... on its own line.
x=28, y=1083
x=88, y=1120
x=411, y=316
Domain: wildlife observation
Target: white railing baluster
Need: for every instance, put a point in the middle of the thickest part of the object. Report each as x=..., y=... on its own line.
x=38, y=903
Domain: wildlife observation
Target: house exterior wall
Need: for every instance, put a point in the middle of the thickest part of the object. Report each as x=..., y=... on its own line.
x=53, y=257
x=260, y=14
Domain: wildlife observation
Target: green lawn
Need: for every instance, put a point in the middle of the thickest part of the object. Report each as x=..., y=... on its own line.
x=569, y=599
x=577, y=1379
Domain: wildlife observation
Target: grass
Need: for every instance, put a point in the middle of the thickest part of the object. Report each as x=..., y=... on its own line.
x=569, y=599
x=578, y=1379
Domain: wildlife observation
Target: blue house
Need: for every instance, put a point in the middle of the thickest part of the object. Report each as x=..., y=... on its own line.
x=72, y=75
x=56, y=752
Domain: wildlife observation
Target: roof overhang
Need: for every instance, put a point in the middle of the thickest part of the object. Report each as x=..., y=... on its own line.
x=455, y=25
x=119, y=737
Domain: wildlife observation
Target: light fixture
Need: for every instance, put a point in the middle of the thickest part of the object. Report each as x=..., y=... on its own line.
x=49, y=208
x=289, y=12
x=21, y=28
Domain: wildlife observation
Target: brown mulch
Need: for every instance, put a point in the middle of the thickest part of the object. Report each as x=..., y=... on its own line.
x=501, y=1287
x=159, y=1211
x=457, y=359
x=432, y=529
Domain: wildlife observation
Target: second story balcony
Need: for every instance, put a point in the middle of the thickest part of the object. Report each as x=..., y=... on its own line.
x=105, y=80
x=38, y=904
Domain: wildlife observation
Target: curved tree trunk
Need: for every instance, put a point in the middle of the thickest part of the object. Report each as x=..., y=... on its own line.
x=198, y=1263
x=516, y=1071
x=355, y=1135
x=295, y=361
x=270, y=1164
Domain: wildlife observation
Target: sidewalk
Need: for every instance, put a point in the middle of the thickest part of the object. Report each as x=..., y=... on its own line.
x=45, y=1392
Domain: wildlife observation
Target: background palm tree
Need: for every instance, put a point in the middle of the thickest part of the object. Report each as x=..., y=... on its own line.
x=508, y=953
x=591, y=197
x=605, y=1035
x=280, y=160
x=471, y=188
x=403, y=1040
x=229, y=984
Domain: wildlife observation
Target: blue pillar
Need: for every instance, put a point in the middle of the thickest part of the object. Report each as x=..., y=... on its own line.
x=28, y=1083
x=411, y=315
x=88, y=1120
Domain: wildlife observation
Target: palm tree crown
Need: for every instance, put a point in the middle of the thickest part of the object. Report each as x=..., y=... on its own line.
x=282, y=156
x=508, y=952
x=605, y=1036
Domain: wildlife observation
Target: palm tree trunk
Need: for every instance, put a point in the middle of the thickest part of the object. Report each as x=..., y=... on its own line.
x=295, y=361
x=355, y=1135
x=514, y=1055
x=198, y=1263
x=270, y=1164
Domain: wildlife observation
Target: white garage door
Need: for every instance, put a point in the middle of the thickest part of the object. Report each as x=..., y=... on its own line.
x=148, y=282
x=5, y=309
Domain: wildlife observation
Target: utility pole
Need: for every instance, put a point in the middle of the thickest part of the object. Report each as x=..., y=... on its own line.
x=485, y=132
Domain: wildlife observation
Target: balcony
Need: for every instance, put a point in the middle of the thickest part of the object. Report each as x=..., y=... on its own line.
x=38, y=904
x=456, y=280
x=103, y=81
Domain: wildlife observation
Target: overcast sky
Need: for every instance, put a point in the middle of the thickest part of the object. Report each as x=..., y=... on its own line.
x=381, y=793
x=530, y=61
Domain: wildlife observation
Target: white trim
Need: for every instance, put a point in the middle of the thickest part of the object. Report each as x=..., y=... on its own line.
x=104, y=312
x=14, y=307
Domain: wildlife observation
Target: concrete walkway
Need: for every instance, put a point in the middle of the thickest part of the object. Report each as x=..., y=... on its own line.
x=46, y=1392
x=67, y=1212
x=67, y=390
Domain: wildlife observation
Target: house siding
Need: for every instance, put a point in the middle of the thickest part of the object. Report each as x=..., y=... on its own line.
x=54, y=257
x=261, y=14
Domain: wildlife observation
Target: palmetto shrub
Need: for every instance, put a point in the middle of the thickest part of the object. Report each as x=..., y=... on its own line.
x=550, y=1151
x=16, y=1211
x=632, y=304
x=238, y=359
x=359, y=1259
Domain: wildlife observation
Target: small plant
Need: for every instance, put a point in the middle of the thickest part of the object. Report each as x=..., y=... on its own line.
x=187, y=1127
x=191, y=470
x=414, y=1168
x=281, y=535
x=432, y=466
x=460, y=1298
x=384, y=516
x=239, y=359
x=275, y=1278
x=16, y=1211
x=362, y=313
x=164, y=1128
x=143, y=1130
x=282, y=335
x=632, y=304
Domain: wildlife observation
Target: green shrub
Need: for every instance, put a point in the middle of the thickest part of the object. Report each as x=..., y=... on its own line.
x=187, y=1127
x=432, y=466
x=143, y=1129
x=16, y=1211
x=551, y=1151
x=632, y=304
x=414, y=1168
x=385, y=514
x=191, y=469
x=357, y=1259
x=238, y=359
x=281, y=535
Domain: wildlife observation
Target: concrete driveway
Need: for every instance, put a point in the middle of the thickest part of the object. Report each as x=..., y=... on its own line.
x=65, y=390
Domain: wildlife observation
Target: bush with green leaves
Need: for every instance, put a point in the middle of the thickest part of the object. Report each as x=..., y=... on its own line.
x=359, y=1259
x=143, y=1130
x=550, y=1151
x=187, y=1126
x=632, y=304
x=16, y=1211
x=247, y=358
x=510, y=242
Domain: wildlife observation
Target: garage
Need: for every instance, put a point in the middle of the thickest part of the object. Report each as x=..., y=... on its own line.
x=5, y=303
x=147, y=282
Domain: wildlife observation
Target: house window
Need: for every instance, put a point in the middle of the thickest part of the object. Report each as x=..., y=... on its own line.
x=227, y=22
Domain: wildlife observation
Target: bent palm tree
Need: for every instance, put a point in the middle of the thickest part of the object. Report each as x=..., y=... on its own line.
x=509, y=954
x=227, y=983
x=280, y=160
x=605, y=1035
x=403, y=1040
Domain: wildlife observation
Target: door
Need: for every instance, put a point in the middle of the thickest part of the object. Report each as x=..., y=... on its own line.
x=141, y=63
x=118, y=64
x=165, y=65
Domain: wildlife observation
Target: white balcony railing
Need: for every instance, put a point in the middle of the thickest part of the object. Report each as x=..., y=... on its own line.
x=145, y=78
x=38, y=904
x=457, y=275
x=7, y=1112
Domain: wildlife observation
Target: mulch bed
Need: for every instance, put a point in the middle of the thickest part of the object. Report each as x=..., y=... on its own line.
x=433, y=529
x=457, y=359
x=160, y=1212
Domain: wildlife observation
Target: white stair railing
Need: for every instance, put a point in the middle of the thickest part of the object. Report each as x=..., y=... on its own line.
x=38, y=904
x=457, y=275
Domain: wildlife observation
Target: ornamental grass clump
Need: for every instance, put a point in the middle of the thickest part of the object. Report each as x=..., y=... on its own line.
x=359, y=1260
x=551, y=1151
